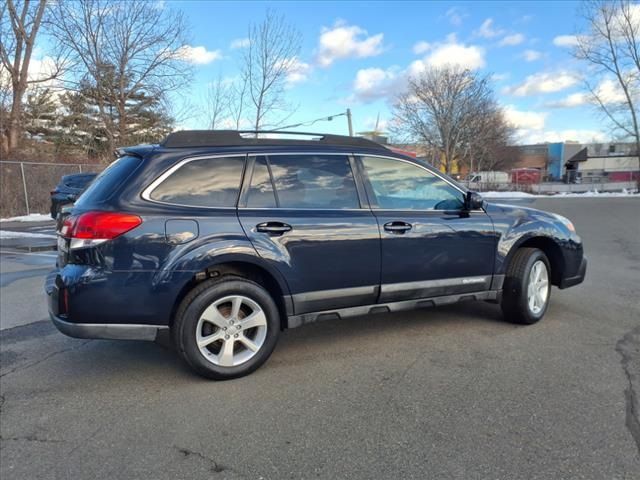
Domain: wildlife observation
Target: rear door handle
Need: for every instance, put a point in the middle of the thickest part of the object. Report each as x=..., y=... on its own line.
x=273, y=228
x=397, y=227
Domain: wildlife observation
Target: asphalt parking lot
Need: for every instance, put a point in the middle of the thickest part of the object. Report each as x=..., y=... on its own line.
x=452, y=392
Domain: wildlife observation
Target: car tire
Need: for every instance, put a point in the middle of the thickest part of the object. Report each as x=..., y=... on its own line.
x=527, y=287
x=217, y=342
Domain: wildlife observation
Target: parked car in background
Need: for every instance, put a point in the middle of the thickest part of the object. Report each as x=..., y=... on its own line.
x=68, y=190
x=223, y=240
x=487, y=179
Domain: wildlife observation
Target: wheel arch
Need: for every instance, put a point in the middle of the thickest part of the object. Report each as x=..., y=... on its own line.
x=550, y=248
x=247, y=267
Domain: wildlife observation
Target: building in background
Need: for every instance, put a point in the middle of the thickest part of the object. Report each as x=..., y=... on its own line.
x=595, y=163
x=569, y=162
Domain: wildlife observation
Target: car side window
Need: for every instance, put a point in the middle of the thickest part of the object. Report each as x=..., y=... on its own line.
x=399, y=185
x=261, y=194
x=210, y=182
x=314, y=181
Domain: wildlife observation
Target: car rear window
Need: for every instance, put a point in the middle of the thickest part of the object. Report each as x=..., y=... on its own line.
x=109, y=180
x=210, y=182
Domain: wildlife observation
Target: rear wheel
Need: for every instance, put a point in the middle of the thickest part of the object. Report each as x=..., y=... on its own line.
x=527, y=287
x=226, y=328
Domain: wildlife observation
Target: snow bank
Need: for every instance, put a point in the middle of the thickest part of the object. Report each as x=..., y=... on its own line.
x=4, y=234
x=591, y=194
x=34, y=217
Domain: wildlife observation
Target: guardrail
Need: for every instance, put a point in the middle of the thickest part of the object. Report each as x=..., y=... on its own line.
x=25, y=187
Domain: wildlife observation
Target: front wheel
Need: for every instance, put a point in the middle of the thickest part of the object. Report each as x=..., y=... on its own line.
x=226, y=328
x=527, y=287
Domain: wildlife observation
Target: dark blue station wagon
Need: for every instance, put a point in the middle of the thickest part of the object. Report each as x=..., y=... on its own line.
x=224, y=239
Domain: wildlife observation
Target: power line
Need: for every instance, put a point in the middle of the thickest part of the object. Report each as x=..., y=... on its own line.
x=311, y=122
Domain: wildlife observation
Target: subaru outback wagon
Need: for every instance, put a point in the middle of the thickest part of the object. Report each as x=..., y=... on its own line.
x=225, y=238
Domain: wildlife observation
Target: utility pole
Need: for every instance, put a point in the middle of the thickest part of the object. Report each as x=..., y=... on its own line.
x=349, y=121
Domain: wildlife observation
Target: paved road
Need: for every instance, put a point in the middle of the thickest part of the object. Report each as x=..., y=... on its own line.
x=444, y=393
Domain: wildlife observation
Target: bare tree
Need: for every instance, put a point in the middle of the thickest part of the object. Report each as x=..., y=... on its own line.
x=128, y=53
x=271, y=56
x=20, y=22
x=237, y=101
x=217, y=102
x=610, y=45
x=454, y=113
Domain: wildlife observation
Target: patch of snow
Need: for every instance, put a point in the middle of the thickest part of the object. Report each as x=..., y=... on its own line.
x=593, y=193
x=34, y=217
x=4, y=234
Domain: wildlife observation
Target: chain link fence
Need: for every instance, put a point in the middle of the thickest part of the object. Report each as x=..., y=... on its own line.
x=25, y=187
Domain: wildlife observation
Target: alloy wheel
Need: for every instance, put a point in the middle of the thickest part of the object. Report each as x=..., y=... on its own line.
x=538, y=288
x=231, y=330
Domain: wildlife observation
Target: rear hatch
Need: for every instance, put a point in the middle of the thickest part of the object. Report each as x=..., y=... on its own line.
x=91, y=221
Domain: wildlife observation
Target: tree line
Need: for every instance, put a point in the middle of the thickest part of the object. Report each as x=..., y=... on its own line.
x=114, y=70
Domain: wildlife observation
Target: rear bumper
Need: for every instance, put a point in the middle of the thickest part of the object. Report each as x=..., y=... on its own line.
x=54, y=287
x=107, y=331
x=576, y=279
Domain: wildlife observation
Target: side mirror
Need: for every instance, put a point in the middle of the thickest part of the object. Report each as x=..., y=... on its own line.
x=474, y=201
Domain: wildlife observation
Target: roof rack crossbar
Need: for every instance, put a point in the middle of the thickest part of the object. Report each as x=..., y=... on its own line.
x=229, y=138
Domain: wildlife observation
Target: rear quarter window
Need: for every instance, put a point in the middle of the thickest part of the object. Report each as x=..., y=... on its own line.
x=107, y=182
x=209, y=182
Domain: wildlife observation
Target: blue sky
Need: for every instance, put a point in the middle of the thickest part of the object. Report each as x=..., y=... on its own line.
x=356, y=54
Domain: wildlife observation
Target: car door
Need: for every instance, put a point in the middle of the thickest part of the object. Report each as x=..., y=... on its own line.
x=303, y=214
x=430, y=245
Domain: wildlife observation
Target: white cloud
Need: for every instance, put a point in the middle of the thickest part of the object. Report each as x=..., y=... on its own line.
x=552, y=136
x=565, y=41
x=450, y=53
x=421, y=47
x=347, y=41
x=572, y=100
x=456, y=16
x=40, y=69
x=373, y=83
x=608, y=91
x=531, y=55
x=499, y=77
x=239, y=43
x=198, y=55
x=525, y=119
x=511, y=40
x=487, y=29
x=299, y=72
x=542, y=83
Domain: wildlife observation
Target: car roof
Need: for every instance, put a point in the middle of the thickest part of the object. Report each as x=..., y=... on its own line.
x=255, y=138
x=219, y=142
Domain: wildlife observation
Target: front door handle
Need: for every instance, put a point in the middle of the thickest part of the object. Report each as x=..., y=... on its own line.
x=397, y=227
x=273, y=228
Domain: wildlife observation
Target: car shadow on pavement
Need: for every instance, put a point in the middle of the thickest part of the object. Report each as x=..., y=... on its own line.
x=106, y=359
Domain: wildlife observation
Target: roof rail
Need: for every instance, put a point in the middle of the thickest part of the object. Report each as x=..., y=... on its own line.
x=230, y=138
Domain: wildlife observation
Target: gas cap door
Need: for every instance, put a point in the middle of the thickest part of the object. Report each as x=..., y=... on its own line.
x=179, y=231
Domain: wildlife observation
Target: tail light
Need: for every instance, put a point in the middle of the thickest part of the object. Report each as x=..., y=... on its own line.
x=93, y=228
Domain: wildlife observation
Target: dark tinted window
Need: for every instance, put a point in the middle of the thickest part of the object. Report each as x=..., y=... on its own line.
x=404, y=186
x=109, y=180
x=211, y=182
x=261, y=190
x=314, y=181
